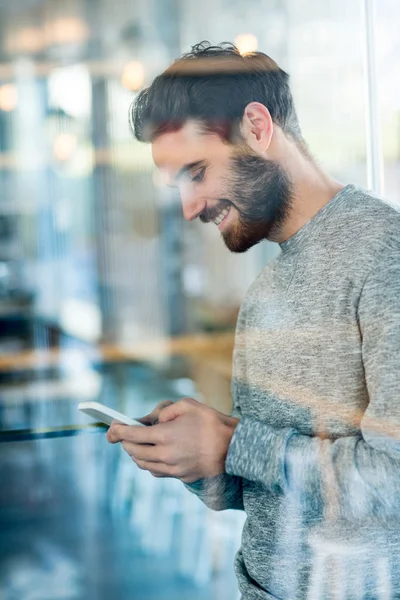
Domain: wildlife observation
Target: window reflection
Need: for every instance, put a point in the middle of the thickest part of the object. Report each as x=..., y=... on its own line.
x=106, y=294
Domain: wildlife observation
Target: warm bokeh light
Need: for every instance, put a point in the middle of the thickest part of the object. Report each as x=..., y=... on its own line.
x=133, y=76
x=68, y=30
x=8, y=97
x=64, y=146
x=246, y=42
x=27, y=40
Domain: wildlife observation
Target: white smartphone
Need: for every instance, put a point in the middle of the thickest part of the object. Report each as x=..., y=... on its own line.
x=106, y=415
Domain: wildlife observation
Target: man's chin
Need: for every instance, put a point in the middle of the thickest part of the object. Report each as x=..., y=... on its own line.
x=238, y=246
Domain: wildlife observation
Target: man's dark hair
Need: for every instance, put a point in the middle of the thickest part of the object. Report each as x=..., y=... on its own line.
x=213, y=85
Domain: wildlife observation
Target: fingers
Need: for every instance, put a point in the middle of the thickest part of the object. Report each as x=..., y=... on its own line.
x=157, y=448
x=163, y=413
x=157, y=469
x=152, y=418
x=133, y=433
x=152, y=459
x=147, y=420
x=113, y=434
x=176, y=409
x=143, y=452
x=151, y=468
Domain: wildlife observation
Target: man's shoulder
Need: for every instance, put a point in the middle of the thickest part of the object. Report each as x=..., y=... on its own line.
x=372, y=224
x=380, y=213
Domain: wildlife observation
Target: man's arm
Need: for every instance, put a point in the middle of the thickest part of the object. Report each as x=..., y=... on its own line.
x=356, y=477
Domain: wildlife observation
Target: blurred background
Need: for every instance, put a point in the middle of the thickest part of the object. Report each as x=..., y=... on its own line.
x=107, y=294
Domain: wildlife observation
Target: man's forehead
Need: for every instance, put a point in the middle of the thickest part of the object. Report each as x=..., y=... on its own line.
x=173, y=149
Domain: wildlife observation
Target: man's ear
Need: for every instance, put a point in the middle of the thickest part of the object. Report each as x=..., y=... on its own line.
x=257, y=127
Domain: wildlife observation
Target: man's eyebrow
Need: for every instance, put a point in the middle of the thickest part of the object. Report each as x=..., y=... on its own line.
x=188, y=167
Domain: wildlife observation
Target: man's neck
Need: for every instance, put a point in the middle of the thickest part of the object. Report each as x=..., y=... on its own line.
x=312, y=189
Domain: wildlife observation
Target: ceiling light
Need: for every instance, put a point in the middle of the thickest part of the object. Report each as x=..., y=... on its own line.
x=64, y=146
x=246, y=42
x=8, y=97
x=133, y=76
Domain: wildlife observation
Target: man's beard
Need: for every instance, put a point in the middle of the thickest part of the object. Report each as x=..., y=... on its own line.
x=261, y=192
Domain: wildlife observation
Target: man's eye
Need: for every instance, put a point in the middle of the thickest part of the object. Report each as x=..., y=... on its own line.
x=199, y=175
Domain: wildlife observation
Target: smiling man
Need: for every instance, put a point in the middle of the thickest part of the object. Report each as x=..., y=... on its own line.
x=312, y=449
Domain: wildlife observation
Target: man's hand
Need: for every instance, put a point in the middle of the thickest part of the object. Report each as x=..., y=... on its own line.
x=189, y=440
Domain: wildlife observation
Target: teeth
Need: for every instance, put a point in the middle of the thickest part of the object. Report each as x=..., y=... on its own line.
x=221, y=216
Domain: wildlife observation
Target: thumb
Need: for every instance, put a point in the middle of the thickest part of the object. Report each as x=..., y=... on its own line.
x=173, y=411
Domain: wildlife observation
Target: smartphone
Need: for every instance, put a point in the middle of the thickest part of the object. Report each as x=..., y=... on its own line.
x=106, y=415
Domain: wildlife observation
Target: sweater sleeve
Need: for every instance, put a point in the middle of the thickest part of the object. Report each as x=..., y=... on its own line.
x=355, y=477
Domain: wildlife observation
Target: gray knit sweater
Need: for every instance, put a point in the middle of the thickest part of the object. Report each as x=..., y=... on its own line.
x=315, y=459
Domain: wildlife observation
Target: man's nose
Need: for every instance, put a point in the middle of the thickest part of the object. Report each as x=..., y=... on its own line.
x=192, y=206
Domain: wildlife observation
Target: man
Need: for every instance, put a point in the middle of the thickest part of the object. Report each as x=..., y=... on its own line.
x=312, y=449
